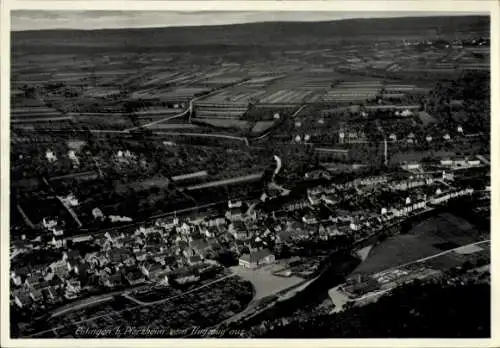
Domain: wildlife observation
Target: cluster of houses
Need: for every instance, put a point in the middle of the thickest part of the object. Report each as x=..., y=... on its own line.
x=39, y=284
x=460, y=163
x=149, y=254
x=422, y=190
x=51, y=157
x=113, y=260
x=162, y=251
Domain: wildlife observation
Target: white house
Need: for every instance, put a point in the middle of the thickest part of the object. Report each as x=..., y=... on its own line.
x=406, y=113
x=49, y=223
x=256, y=259
x=97, y=213
x=70, y=200
x=72, y=156
x=50, y=155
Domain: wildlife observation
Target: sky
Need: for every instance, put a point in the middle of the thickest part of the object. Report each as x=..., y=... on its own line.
x=86, y=20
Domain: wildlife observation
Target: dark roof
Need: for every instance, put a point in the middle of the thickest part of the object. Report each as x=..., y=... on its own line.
x=237, y=210
x=183, y=245
x=156, y=267
x=239, y=225
x=115, y=278
x=285, y=234
x=199, y=244
x=128, y=240
x=195, y=258
x=83, y=268
x=46, y=292
x=135, y=275
x=368, y=285
x=73, y=254
x=56, y=280
x=212, y=241
x=118, y=253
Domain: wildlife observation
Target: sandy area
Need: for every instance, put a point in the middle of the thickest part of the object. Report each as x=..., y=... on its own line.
x=264, y=282
x=468, y=249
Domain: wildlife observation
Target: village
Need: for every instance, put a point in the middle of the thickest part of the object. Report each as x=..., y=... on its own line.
x=180, y=250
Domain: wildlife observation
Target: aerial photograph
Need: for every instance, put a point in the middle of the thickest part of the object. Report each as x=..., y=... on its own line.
x=249, y=174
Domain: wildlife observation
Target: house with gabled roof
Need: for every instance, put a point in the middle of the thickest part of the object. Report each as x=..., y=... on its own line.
x=256, y=259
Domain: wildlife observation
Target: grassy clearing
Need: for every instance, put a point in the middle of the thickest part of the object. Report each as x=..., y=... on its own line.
x=262, y=126
x=431, y=236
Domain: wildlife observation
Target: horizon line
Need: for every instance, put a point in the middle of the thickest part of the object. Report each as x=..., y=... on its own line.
x=247, y=21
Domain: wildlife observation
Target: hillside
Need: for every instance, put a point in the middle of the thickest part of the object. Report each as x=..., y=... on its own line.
x=251, y=34
x=412, y=311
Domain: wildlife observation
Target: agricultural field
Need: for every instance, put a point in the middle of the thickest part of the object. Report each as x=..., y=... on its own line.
x=175, y=94
x=221, y=80
x=286, y=96
x=174, y=126
x=426, y=118
x=165, y=78
x=234, y=96
x=353, y=91
x=157, y=112
x=429, y=237
x=224, y=123
x=224, y=112
x=157, y=181
x=26, y=110
x=262, y=81
x=232, y=181
x=103, y=121
x=262, y=126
